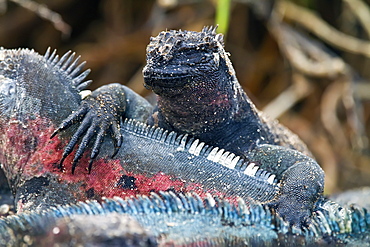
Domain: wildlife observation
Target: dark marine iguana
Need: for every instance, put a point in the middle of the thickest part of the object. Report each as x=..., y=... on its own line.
x=154, y=160
x=169, y=219
x=199, y=95
x=176, y=163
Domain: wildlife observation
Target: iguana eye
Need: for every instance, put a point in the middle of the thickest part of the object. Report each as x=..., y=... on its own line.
x=7, y=86
x=7, y=93
x=194, y=57
x=190, y=54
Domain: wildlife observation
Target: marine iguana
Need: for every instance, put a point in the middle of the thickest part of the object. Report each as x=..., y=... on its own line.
x=199, y=95
x=30, y=158
x=181, y=220
x=177, y=163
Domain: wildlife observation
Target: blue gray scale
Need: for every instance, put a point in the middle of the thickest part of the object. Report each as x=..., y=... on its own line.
x=148, y=150
x=187, y=219
x=35, y=84
x=199, y=163
x=179, y=219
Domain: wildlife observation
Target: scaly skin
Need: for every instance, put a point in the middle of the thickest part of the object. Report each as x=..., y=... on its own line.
x=176, y=163
x=199, y=94
x=31, y=159
x=169, y=219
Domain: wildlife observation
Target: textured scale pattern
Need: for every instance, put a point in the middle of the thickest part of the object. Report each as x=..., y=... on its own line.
x=225, y=221
x=70, y=67
x=199, y=95
x=197, y=148
x=224, y=188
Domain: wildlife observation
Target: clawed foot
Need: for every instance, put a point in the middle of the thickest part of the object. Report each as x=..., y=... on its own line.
x=301, y=186
x=99, y=116
x=298, y=214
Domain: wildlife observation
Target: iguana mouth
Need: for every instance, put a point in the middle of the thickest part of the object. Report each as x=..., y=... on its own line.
x=168, y=78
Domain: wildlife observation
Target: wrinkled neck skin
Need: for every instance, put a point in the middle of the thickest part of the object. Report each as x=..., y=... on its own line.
x=212, y=107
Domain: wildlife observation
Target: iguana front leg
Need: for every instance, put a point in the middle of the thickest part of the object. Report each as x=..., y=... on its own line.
x=302, y=185
x=301, y=181
x=101, y=112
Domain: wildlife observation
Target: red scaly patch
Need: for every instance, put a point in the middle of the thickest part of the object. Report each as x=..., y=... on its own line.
x=27, y=151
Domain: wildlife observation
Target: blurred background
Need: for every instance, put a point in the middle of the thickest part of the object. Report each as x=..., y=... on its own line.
x=303, y=62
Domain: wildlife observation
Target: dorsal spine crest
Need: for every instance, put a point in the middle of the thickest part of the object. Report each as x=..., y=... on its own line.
x=197, y=148
x=70, y=67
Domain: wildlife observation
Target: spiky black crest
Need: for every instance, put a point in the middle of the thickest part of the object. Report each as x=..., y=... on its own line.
x=69, y=66
x=167, y=42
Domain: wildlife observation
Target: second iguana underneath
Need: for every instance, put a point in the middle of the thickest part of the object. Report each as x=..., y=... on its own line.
x=199, y=95
x=170, y=219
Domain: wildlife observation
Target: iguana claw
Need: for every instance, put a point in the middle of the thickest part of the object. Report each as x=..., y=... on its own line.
x=98, y=115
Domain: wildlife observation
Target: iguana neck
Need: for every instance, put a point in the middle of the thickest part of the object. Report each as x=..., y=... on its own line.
x=205, y=106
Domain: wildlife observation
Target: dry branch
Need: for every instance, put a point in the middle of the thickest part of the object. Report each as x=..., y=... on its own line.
x=321, y=29
x=43, y=12
x=282, y=103
x=304, y=54
x=361, y=11
x=330, y=100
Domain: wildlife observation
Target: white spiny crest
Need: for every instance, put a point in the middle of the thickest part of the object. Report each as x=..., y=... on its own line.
x=251, y=169
x=212, y=154
x=223, y=158
x=210, y=29
x=197, y=148
x=182, y=145
x=271, y=179
x=339, y=214
x=70, y=66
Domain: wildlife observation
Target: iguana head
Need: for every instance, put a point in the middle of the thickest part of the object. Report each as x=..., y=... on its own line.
x=32, y=85
x=180, y=59
x=194, y=79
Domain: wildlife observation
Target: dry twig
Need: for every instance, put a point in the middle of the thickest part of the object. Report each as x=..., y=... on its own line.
x=43, y=12
x=331, y=98
x=282, y=103
x=361, y=11
x=320, y=28
x=304, y=54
